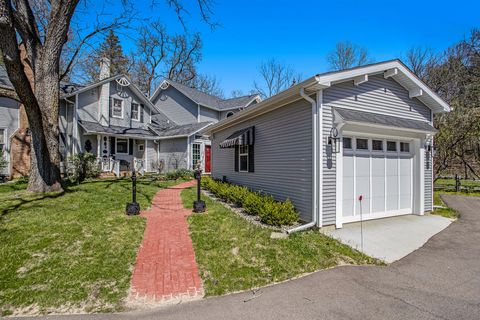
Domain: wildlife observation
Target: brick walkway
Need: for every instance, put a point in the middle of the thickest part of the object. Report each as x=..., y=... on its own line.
x=165, y=270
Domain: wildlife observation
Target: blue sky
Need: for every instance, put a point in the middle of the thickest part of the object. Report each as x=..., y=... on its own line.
x=301, y=33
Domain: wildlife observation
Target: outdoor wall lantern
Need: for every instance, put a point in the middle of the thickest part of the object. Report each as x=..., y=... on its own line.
x=333, y=142
x=133, y=208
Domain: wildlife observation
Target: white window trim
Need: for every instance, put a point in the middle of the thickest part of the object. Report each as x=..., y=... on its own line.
x=229, y=114
x=123, y=108
x=142, y=146
x=116, y=146
x=199, y=154
x=138, y=111
x=240, y=155
x=400, y=147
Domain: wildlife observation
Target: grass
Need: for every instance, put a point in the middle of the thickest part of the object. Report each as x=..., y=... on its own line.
x=444, y=212
x=71, y=251
x=451, y=182
x=235, y=255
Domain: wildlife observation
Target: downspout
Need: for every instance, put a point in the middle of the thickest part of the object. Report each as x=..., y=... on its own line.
x=313, y=223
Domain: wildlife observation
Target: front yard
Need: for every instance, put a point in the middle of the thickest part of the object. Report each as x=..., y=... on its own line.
x=71, y=251
x=235, y=255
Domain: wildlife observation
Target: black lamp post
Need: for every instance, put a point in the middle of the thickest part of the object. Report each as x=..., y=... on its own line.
x=133, y=208
x=199, y=205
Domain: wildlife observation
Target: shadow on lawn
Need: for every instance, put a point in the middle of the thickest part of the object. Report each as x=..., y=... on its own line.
x=30, y=198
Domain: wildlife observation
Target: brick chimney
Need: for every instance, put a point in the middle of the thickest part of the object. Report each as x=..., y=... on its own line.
x=104, y=98
x=21, y=139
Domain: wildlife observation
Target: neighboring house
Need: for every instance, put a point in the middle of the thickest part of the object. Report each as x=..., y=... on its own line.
x=324, y=143
x=184, y=112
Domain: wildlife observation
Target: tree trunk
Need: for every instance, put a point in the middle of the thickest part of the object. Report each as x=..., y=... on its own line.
x=45, y=157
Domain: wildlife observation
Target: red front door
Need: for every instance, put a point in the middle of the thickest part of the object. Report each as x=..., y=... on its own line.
x=208, y=158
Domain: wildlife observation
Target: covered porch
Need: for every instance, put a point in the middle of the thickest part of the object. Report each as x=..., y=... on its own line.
x=121, y=152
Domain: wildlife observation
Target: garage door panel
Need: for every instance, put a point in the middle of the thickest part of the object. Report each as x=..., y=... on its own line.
x=383, y=178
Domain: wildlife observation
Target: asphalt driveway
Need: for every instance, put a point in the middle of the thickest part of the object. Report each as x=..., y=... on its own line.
x=441, y=280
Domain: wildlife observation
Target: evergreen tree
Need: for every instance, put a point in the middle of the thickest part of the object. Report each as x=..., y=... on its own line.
x=111, y=49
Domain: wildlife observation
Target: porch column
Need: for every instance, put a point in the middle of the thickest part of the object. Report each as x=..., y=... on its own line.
x=99, y=146
x=145, y=155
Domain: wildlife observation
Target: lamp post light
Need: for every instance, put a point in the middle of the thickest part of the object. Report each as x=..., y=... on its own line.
x=199, y=205
x=133, y=208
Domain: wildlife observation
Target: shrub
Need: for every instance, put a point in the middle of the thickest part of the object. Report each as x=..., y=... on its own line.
x=269, y=211
x=83, y=166
x=179, y=173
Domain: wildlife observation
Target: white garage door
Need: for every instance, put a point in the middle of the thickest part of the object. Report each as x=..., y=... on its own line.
x=381, y=172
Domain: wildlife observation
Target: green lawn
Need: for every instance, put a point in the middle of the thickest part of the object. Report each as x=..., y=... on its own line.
x=234, y=254
x=444, y=212
x=451, y=182
x=71, y=251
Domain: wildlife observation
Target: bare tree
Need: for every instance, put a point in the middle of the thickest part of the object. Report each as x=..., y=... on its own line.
x=347, y=55
x=185, y=54
x=276, y=77
x=207, y=84
x=44, y=37
x=421, y=60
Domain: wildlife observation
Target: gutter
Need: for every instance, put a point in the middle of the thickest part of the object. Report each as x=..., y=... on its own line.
x=315, y=153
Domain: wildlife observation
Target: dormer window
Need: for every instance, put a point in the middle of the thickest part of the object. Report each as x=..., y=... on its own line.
x=135, y=111
x=117, y=108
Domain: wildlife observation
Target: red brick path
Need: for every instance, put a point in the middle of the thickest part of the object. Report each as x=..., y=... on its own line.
x=165, y=268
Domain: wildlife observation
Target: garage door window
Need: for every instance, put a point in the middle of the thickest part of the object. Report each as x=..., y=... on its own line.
x=362, y=144
x=404, y=147
x=347, y=143
x=392, y=146
x=377, y=145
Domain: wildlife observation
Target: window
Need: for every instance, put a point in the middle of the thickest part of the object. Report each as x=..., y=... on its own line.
x=404, y=147
x=392, y=146
x=347, y=143
x=243, y=158
x=122, y=146
x=136, y=111
x=377, y=145
x=141, y=147
x=3, y=139
x=195, y=155
x=117, y=108
x=362, y=144
x=229, y=114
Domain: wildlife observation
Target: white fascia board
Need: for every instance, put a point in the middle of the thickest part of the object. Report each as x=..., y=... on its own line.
x=390, y=73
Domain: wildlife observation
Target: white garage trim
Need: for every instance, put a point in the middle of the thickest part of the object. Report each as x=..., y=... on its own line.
x=414, y=165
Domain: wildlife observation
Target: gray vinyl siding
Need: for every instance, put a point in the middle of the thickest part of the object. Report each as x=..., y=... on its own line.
x=152, y=156
x=128, y=98
x=377, y=95
x=177, y=106
x=209, y=115
x=65, y=118
x=283, y=156
x=173, y=154
x=88, y=106
x=9, y=121
x=428, y=184
x=329, y=174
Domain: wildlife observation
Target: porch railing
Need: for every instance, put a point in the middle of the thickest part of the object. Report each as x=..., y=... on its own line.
x=109, y=165
x=139, y=165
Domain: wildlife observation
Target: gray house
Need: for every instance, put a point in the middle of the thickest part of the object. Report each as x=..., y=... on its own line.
x=184, y=111
x=337, y=144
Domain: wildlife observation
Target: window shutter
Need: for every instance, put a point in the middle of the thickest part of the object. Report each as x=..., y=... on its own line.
x=110, y=107
x=112, y=145
x=140, y=107
x=130, y=146
x=235, y=160
x=251, y=158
